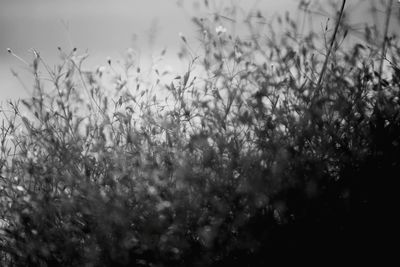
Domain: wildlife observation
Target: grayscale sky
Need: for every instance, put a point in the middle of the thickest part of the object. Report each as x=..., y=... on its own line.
x=103, y=27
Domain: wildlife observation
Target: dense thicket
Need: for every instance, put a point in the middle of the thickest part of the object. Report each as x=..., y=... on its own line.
x=244, y=159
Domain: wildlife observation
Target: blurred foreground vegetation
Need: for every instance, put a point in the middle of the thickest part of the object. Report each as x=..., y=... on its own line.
x=270, y=146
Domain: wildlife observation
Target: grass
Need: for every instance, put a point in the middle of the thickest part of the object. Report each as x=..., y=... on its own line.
x=269, y=147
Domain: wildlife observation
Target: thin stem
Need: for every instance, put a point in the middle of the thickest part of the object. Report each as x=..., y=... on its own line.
x=329, y=50
x=385, y=38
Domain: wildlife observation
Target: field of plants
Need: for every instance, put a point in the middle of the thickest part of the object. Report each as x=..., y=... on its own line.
x=275, y=145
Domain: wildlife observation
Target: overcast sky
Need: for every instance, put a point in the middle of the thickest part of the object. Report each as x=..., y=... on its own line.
x=104, y=27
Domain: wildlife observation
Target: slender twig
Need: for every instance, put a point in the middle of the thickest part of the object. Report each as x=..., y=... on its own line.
x=385, y=38
x=321, y=75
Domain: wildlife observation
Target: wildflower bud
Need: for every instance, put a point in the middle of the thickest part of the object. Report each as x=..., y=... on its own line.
x=182, y=37
x=220, y=30
x=101, y=70
x=35, y=53
x=109, y=60
x=9, y=50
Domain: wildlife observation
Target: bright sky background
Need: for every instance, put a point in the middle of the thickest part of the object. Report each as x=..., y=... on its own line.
x=104, y=27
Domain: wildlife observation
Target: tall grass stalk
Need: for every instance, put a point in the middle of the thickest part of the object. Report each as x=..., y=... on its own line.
x=384, y=41
x=321, y=75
